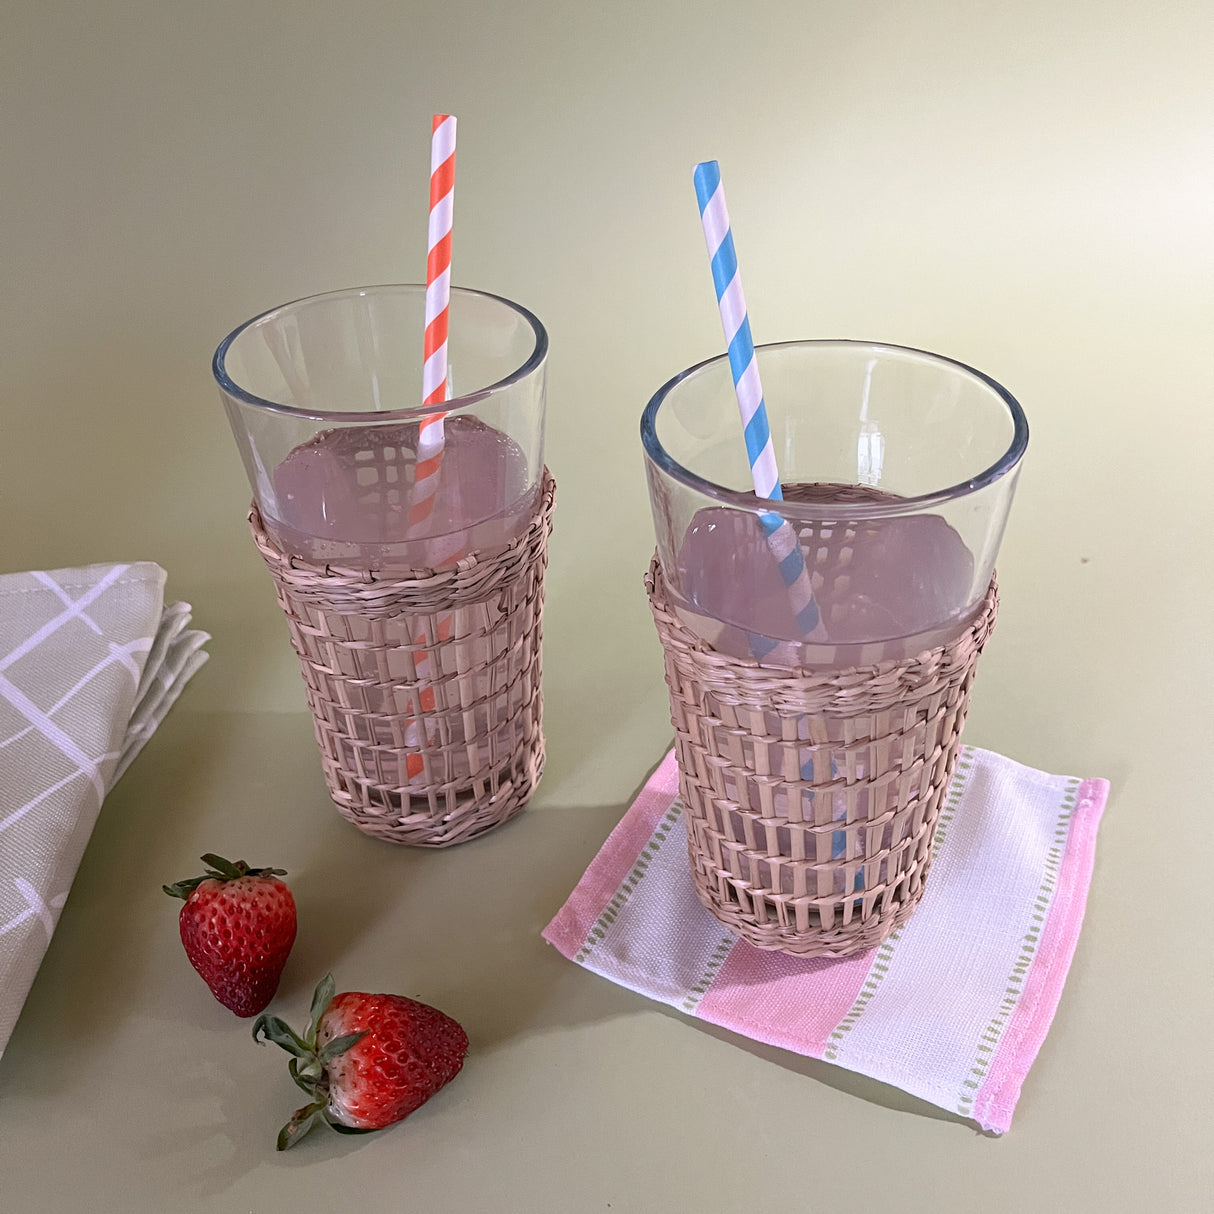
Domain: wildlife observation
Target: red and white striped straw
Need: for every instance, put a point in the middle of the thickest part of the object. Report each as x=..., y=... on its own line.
x=438, y=299
x=434, y=392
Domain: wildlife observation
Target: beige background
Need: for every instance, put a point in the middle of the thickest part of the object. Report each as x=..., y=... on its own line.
x=1025, y=187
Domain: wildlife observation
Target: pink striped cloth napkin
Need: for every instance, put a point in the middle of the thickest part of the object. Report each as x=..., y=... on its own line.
x=952, y=1008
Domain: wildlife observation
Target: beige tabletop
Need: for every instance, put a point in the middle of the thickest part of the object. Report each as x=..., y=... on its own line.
x=1027, y=188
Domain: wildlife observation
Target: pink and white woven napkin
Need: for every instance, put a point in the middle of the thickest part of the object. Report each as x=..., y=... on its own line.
x=952, y=1008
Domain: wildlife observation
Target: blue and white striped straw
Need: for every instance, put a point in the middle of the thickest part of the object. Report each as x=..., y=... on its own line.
x=781, y=538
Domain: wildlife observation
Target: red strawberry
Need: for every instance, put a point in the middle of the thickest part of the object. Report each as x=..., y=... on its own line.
x=366, y=1060
x=237, y=925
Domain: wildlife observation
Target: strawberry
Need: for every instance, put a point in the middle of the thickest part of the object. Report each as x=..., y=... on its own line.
x=367, y=1061
x=237, y=925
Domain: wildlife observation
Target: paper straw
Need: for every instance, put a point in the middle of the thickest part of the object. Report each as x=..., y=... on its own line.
x=744, y=365
x=438, y=299
x=435, y=387
x=781, y=538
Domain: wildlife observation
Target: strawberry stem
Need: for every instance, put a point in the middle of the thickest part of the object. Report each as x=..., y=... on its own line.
x=219, y=870
x=307, y=1065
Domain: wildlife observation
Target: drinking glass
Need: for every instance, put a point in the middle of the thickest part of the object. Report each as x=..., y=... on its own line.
x=412, y=578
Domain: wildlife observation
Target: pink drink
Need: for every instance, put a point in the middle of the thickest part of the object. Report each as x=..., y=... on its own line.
x=344, y=497
x=887, y=588
x=416, y=620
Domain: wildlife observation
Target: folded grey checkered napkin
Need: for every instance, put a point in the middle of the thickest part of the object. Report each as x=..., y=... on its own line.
x=90, y=661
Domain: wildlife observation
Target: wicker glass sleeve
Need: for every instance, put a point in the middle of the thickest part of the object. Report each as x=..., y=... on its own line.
x=425, y=690
x=811, y=798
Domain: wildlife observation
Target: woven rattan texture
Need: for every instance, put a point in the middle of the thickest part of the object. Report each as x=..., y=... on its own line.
x=424, y=689
x=811, y=797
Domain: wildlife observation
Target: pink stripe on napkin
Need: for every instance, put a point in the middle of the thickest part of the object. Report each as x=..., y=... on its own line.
x=792, y=1002
x=573, y=923
x=1034, y=1014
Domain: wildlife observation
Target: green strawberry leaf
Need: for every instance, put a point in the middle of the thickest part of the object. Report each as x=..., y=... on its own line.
x=311, y=1071
x=302, y=1120
x=224, y=870
x=183, y=889
x=321, y=998
x=281, y=1034
x=219, y=870
x=307, y=1077
x=339, y=1045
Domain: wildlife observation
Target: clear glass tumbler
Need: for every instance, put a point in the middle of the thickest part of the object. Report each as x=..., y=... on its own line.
x=816, y=734
x=898, y=469
x=412, y=578
x=323, y=396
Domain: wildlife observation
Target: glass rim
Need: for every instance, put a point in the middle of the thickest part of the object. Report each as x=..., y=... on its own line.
x=231, y=388
x=746, y=500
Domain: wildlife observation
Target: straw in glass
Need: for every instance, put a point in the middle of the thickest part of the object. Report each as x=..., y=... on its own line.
x=435, y=380
x=781, y=538
x=438, y=300
x=744, y=366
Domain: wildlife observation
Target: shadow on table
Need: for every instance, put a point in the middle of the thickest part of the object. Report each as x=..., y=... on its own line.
x=469, y=919
x=458, y=928
x=514, y=984
x=839, y=1078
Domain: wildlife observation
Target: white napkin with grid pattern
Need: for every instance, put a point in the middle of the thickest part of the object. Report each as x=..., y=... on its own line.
x=91, y=660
